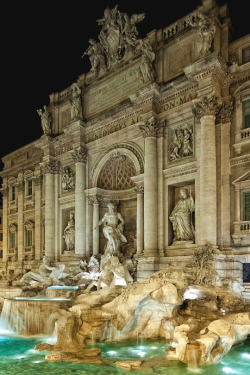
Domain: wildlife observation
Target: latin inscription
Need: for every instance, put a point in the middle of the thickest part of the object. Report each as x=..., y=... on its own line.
x=110, y=93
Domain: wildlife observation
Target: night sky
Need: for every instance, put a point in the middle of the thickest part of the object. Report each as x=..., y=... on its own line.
x=42, y=43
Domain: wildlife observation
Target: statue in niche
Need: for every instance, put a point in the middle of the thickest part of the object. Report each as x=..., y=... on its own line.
x=181, y=218
x=205, y=32
x=181, y=142
x=68, y=182
x=96, y=57
x=113, y=230
x=69, y=233
x=146, y=67
x=76, y=104
x=45, y=120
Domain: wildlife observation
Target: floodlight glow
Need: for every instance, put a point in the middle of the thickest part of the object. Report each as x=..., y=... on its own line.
x=246, y=355
x=228, y=370
x=112, y=352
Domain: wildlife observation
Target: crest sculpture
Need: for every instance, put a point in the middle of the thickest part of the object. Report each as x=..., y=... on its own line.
x=118, y=37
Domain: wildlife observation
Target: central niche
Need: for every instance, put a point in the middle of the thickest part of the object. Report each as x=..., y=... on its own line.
x=116, y=173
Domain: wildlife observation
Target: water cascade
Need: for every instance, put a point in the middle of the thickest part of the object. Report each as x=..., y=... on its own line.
x=29, y=316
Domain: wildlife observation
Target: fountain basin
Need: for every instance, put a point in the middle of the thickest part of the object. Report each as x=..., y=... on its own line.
x=61, y=291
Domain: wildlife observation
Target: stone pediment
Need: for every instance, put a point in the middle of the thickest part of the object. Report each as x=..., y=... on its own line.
x=244, y=178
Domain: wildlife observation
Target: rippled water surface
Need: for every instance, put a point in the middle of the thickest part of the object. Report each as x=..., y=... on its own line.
x=18, y=357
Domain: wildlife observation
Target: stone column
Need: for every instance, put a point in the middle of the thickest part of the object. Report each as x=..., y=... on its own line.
x=50, y=169
x=206, y=110
x=38, y=226
x=79, y=156
x=5, y=222
x=96, y=230
x=140, y=219
x=20, y=237
x=149, y=131
x=237, y=202
x=89, y=236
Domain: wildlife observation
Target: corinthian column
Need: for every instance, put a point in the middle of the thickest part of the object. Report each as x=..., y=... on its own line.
x=139, y=220
x=50, y=169
x=79, y=156
x=206, y=110
x=149, y=131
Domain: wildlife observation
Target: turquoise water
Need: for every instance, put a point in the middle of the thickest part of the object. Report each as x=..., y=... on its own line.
x=17, y=357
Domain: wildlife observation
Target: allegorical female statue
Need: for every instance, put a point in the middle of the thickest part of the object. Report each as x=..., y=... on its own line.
x=45, y=120
x=69, y=233
x=113, y=229
x=181, y=218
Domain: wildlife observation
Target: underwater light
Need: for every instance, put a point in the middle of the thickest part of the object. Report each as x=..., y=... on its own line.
x=112, y=352
x=228, y=370
x=153, y=347
x=246, y=355
x=141, y=354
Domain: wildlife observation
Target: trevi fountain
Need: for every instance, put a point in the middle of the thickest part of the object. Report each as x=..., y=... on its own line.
x=120, y=252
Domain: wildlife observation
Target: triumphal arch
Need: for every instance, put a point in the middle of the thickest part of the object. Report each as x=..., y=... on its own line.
x=160, y=129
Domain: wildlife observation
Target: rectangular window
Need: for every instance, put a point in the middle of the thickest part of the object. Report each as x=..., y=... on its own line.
x=1, y=237
x=13, y=193
x=1, y=254
x=28, y=237
x=246, y=206
x=246, y=114
x=12, y=240
x=246, y=55
x=29, y=187
x=0, y=219
x=246, y=272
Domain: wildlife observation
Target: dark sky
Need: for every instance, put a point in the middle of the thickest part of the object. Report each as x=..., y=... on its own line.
x=42, y=43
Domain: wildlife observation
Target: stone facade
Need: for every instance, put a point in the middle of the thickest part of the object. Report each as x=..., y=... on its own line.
x=153, y=116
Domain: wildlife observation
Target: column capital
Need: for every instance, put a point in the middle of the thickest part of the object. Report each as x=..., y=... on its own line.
x=225, y=112
x=139, y=189
x=38, y=180
x=51, y=167
x=79, y=155
x=150, y=128
x=4, y=190
x=208, y=105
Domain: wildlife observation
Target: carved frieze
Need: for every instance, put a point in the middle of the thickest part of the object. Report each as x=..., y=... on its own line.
x=181, y=142
x=79, y=155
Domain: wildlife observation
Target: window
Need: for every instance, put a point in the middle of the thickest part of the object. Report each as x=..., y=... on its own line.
x=246, y=114
x=13, y=193
x=0, y=219
x=29, y=237
x=29, y=187
x=246, y=206
x=246, y=272
x=1, y=254
x=1, y=237
x=12, y=240
x=246, y=55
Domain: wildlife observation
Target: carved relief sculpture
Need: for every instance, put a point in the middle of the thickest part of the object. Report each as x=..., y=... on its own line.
x=181, y=142
x=76, y=104
x=69, y=233
x=205, y=32
x=181, y=218
x=68, y=182
x=45, y=120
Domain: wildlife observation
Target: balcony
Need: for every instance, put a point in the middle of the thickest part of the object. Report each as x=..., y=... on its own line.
x=242, y=138
x=241, y=235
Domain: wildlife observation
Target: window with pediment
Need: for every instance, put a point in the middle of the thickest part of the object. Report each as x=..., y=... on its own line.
x=116, y=173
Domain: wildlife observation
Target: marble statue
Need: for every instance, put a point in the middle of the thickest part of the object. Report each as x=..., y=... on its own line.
x=205, y=32
x=113, y=229
x=69, y=233
x=148, y=56
x=57, y=273
x=45, y=120
x=181, y=217
x=68, y=182
x=181, y=143
x=96, y=57
x=42, y=275
x=118, y=34
x=76, y=104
